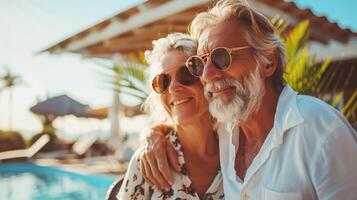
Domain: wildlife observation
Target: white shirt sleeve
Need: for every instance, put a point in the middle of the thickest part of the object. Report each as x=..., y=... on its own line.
x=134, y=185
x=334, y=173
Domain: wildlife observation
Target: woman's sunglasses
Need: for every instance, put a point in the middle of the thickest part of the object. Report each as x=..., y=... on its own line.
x=221, y=58
x=161, y=82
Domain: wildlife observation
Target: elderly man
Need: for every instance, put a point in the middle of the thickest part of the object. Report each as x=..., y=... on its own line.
x=274, y=143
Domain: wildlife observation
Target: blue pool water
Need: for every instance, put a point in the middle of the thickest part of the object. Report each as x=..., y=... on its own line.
x=27, y=181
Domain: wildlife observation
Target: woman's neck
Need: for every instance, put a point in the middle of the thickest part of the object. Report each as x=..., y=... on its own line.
x=198, y=137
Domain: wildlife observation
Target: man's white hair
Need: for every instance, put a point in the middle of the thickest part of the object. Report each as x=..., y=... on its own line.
x=173, y=41
x=260, y=33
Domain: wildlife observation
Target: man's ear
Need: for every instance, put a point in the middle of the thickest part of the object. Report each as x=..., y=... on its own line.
x=269, y=68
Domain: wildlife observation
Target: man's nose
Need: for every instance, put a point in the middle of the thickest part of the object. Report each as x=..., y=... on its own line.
x=210, y=72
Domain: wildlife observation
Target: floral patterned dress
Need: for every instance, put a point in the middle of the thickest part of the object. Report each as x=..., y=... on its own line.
x=136, y=188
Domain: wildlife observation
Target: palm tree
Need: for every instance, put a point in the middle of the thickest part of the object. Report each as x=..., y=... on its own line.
x=304, y=74
x=9, y=81
x=127, y=76
x=130, y=77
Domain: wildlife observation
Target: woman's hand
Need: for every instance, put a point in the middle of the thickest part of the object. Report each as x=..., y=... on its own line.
x=156, y=158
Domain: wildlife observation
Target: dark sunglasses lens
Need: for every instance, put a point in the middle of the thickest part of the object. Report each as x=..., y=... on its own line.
x=160, y=83
x=184, y=76
x=221, y=58
x=195, y=65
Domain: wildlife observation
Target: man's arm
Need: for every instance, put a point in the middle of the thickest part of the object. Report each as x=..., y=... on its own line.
x=156, y=158
x=334, y=170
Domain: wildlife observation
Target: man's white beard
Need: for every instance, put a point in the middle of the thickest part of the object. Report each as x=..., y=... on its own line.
x=246, y=101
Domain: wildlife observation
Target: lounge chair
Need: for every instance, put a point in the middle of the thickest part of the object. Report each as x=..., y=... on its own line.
x=79, y=148
x=26, y=153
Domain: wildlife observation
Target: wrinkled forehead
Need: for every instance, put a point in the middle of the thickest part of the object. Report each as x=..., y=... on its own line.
x=227, y=34
x=210, y=41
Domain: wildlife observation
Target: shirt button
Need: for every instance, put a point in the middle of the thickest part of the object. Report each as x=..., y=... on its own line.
x=245, y=196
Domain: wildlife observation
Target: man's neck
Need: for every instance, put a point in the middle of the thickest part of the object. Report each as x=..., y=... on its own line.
x=254, y=131
x=259, y=124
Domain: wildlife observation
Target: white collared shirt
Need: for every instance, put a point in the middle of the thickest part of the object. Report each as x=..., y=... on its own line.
x=310, y=153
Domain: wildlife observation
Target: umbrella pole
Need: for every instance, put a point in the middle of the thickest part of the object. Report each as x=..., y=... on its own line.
x=114, y=141
x=10, y=109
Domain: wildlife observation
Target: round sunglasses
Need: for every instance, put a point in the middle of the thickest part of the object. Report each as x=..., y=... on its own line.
x=221, y=57
x=161, y=82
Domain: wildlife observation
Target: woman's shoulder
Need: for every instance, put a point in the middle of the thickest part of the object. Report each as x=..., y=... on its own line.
x=134, y=163
x=174, y=139
x=133, y=184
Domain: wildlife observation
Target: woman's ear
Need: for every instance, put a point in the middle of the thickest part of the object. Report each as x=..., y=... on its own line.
x=269, y=68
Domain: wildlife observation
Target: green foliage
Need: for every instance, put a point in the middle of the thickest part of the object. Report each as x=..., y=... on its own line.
x=305, y=75
x=126, y=76
x=302, y=72
x=349, y=110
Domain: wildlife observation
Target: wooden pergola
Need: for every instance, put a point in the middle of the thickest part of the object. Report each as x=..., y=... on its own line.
x=132, y=32
x=134, y=29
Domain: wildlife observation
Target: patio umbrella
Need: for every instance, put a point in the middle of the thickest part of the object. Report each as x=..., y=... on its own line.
x=60, y=106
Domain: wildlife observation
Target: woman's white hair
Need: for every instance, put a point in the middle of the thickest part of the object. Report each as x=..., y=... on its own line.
x=260, y=33
x=174, y=41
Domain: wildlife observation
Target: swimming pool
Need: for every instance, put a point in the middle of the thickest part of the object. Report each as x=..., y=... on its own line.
x=26, y=181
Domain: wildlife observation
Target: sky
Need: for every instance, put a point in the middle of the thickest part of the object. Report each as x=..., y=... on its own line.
x=341, y=11
x=28, y=26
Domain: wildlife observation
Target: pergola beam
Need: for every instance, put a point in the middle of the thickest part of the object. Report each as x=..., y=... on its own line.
x=137, y=20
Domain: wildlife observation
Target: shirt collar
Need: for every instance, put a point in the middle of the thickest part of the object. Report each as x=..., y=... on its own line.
x=287, y=113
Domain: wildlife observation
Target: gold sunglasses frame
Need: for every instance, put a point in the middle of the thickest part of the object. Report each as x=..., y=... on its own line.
x=208, y=55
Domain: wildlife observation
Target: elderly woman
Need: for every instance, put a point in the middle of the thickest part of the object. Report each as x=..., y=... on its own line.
x=178, y=98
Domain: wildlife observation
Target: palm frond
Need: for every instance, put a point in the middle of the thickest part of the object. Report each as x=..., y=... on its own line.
x=280, y=24
x=10, y=80
x=305, y=75
x=126, y=76
x=296, y=40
